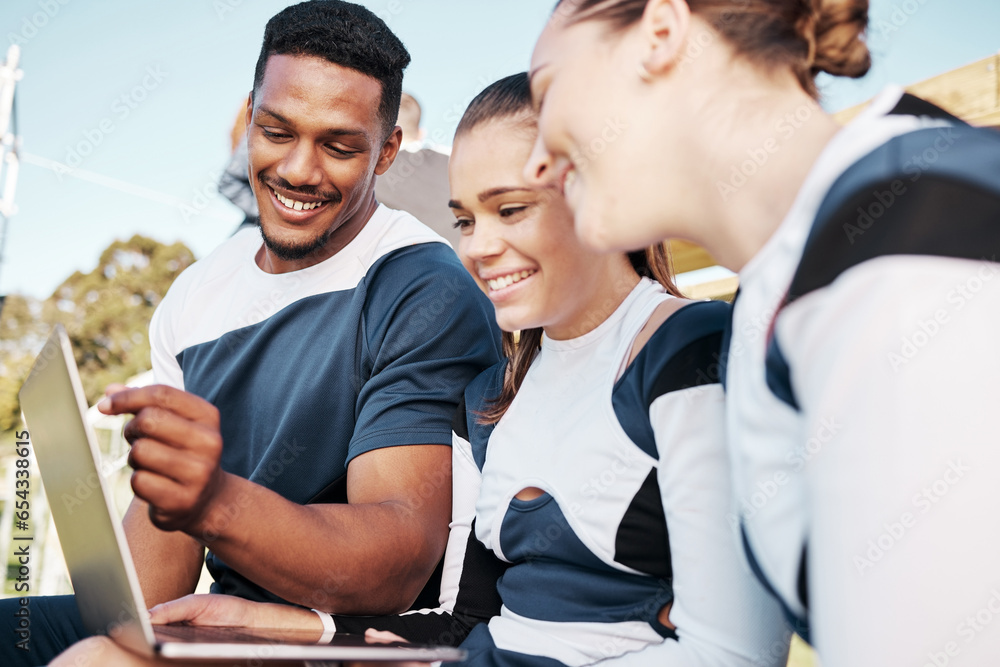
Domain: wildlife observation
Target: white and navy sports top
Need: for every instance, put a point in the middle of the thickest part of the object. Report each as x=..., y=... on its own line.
x=371, y=348
x=636, y=511
x=862, y=394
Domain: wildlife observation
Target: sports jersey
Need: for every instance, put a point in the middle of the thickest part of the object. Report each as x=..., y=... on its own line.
x=370, y=348
x=633, y=514
x=861, y=393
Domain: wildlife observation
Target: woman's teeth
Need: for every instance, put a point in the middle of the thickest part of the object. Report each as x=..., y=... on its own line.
x=297, y=205
x=508, y=280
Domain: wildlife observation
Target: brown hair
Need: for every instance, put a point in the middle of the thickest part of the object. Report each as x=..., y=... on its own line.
x=510, y=98
x=809, y=36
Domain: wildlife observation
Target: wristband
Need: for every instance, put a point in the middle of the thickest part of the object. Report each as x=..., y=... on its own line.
x=329, y=627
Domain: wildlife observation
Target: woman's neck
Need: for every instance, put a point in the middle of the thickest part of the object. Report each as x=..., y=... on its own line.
x=607, y=291
x=761, y=137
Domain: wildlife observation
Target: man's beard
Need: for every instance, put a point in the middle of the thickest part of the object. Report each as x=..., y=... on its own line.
x=290, y=252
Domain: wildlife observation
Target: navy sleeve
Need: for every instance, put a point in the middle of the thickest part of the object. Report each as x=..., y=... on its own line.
x=427, y=331
x=685, y=352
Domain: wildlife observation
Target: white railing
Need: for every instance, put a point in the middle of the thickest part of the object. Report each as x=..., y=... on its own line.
x=48, y=574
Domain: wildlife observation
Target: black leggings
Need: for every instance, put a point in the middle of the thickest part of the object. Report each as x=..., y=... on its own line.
x=53, y=625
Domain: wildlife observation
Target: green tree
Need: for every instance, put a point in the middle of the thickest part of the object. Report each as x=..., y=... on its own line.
x=106, y=313
x=22, y=334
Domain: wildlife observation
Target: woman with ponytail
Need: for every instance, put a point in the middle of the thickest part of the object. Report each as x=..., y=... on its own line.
x=861, y=360
x=596, y=450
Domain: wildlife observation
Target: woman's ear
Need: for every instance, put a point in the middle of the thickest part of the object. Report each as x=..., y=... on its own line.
x=664, y=26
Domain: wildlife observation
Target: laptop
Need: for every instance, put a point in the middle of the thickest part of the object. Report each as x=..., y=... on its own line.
x=97, y=555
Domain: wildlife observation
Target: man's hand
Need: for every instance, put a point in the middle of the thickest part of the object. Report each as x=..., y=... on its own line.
x=372, y=555
x=176, y=448
x=233, y=612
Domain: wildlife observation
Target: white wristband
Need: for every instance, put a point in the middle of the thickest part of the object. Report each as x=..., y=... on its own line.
x=329, y=627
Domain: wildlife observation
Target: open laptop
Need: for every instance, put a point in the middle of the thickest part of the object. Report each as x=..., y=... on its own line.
x=97, y=556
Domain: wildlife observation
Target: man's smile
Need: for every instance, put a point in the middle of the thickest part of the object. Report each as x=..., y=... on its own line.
x=298, y=207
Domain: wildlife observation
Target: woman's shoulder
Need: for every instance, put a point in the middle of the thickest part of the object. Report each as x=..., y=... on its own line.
x=680, y=347
x=676, y=323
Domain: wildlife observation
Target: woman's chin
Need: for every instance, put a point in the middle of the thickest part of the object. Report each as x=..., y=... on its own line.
x=601, y=235
x=605, y=232
x=512, y=322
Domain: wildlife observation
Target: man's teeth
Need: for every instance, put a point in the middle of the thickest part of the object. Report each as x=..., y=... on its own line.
x=297, y=205
x=508, y=280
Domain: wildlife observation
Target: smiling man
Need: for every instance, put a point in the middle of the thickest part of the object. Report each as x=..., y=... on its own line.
x=308, y=372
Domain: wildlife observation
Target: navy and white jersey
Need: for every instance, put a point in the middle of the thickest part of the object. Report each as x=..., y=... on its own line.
x=862, y=393
x=371, y=348
x=636, y=506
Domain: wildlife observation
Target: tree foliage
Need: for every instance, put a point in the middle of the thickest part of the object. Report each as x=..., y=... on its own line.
x=106, y=313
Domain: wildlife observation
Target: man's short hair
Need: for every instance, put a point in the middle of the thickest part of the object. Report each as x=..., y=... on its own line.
x=345, y=34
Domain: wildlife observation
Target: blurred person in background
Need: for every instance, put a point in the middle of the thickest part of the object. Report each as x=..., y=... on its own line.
x=234, y=184
x=417, y=181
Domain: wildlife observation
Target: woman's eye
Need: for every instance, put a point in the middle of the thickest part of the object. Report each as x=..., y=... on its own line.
x=464, y=224
x=512, y=211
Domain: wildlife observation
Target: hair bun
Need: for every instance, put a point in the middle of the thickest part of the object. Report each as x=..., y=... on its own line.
x=840, y=48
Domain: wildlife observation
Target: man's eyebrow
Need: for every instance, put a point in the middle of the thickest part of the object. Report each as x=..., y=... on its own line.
x=273, y=114
x=343, y=132
x=335, y=132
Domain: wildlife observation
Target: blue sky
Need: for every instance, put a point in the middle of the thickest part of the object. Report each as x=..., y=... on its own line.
x=140, y=95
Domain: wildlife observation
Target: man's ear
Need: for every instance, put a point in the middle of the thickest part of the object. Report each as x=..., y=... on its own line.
x=389, y=151
x=249, y=110
x=250, y=178
x=665, y=25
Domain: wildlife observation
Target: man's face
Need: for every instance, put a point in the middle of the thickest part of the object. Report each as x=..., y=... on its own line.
x=315, y=145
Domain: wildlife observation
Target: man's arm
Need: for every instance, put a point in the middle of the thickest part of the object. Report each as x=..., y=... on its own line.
x=168, y=564
x=370, y=556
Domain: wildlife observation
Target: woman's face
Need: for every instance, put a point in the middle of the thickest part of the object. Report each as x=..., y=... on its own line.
x=593, y=138
x=518, y=240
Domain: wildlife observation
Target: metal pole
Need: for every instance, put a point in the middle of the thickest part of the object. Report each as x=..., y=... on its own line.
x=9, y=75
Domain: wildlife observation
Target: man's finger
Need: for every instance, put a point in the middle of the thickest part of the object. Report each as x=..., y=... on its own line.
x=170, y=504
x=189, y=406
x=172, y=429
x=164, y=460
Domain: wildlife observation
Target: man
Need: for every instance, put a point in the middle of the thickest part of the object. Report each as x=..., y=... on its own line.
x=301, y=429
x=417, y=181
